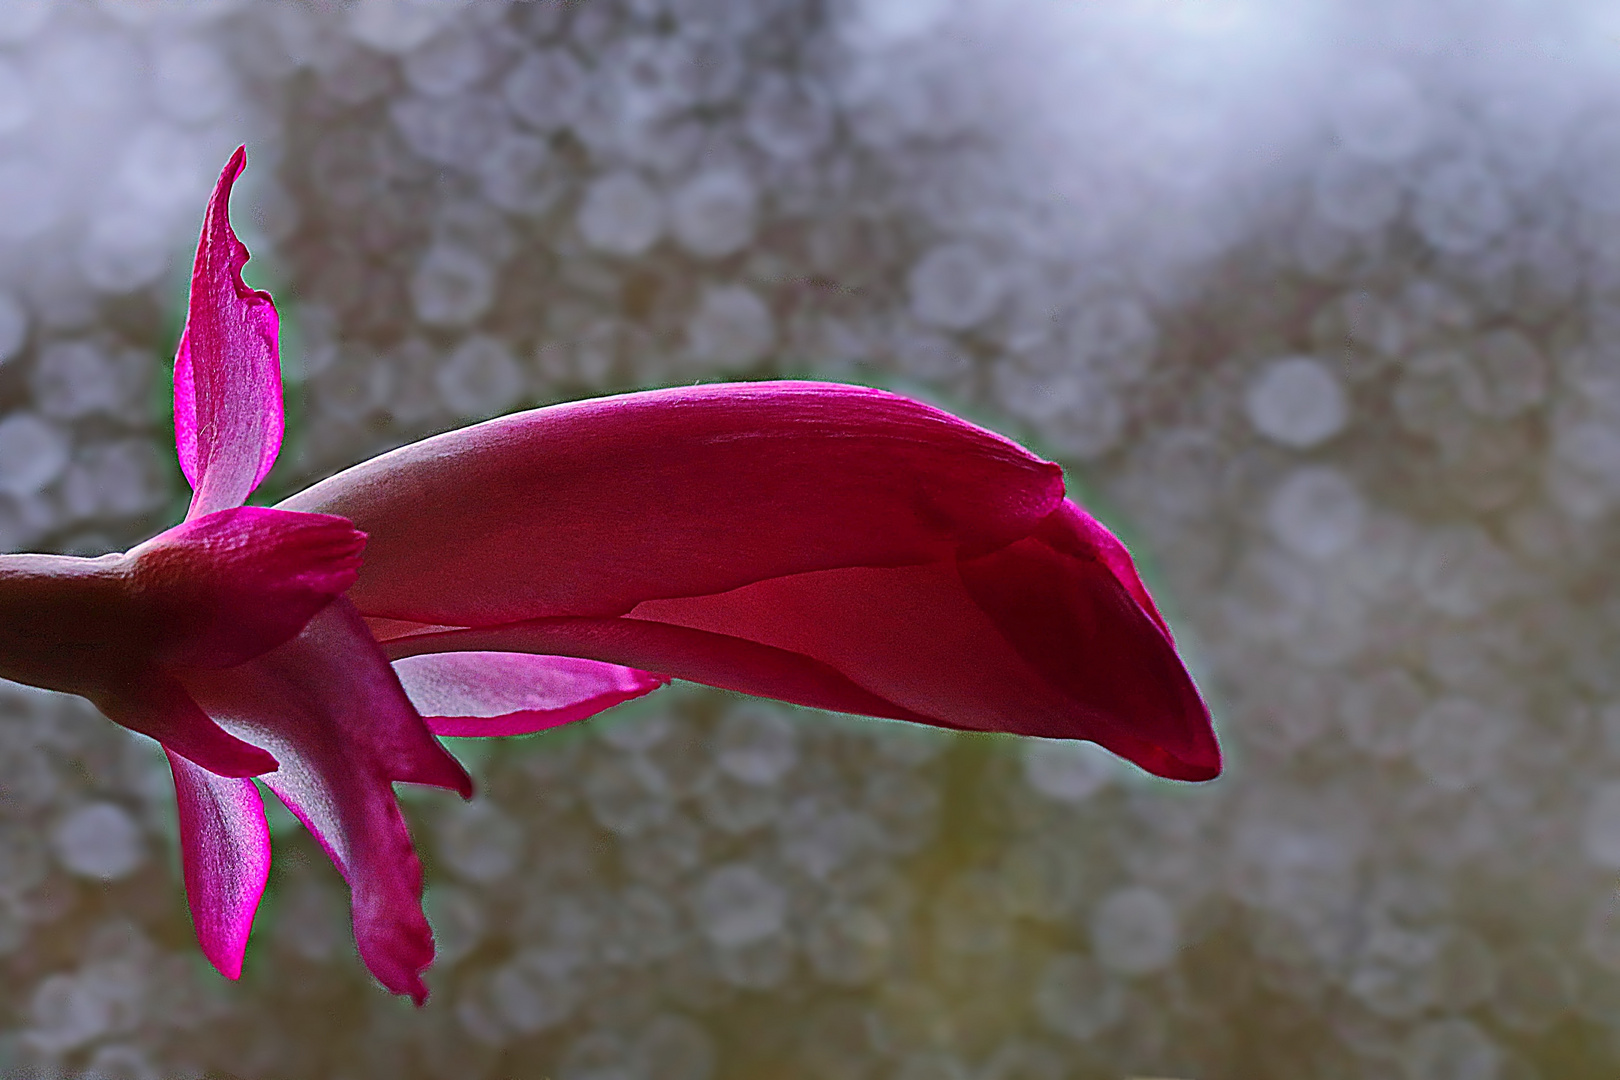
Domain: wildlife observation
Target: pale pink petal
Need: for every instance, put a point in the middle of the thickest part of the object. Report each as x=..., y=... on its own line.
x=216, y=590
x=225, y=856
x=495, y=693
x=227, y=391
x=329, y=707
x=589, y=508
x=721, y=660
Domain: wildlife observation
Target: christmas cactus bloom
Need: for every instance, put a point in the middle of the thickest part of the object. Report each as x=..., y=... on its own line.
x=822, y=544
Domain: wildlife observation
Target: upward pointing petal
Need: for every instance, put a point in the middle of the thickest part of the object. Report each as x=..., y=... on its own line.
x=227, y=371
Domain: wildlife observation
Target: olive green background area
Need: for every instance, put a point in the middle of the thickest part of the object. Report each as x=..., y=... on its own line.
x=1316, y=304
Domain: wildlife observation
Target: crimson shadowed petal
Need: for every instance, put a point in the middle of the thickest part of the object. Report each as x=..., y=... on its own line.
x=1070, y=603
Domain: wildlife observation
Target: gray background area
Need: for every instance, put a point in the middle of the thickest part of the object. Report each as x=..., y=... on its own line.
x=1318, y=303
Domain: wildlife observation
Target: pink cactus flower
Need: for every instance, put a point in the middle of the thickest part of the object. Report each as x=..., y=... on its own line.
x=827, y=545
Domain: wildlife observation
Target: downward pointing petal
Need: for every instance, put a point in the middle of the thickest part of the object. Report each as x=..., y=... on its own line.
x=227, y=370
x=225, y=855
x=329, y=707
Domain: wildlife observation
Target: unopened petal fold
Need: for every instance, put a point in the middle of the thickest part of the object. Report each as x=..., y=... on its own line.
x=1071, y=606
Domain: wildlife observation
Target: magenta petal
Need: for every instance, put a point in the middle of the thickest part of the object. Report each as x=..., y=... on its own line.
x=227, y=373
x=218, y=589
x=155, y=704
x=329, y=707
x=185, y=411
x=494, y=693
x=588, y=508
x=1071, y=531
x=225, y=855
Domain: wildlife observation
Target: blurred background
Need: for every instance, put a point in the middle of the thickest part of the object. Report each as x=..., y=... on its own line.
x=1317, y=302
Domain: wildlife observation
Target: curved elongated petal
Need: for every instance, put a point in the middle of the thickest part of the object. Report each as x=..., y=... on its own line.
x=328, y=706
x=1025, y=640
x=227, y=371
x=589, y=508
x=496, y=693
x=225, y=856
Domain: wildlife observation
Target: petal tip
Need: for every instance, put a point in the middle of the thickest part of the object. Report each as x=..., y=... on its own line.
x=397, y=947
x=1199, y=771
x=227, y=961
